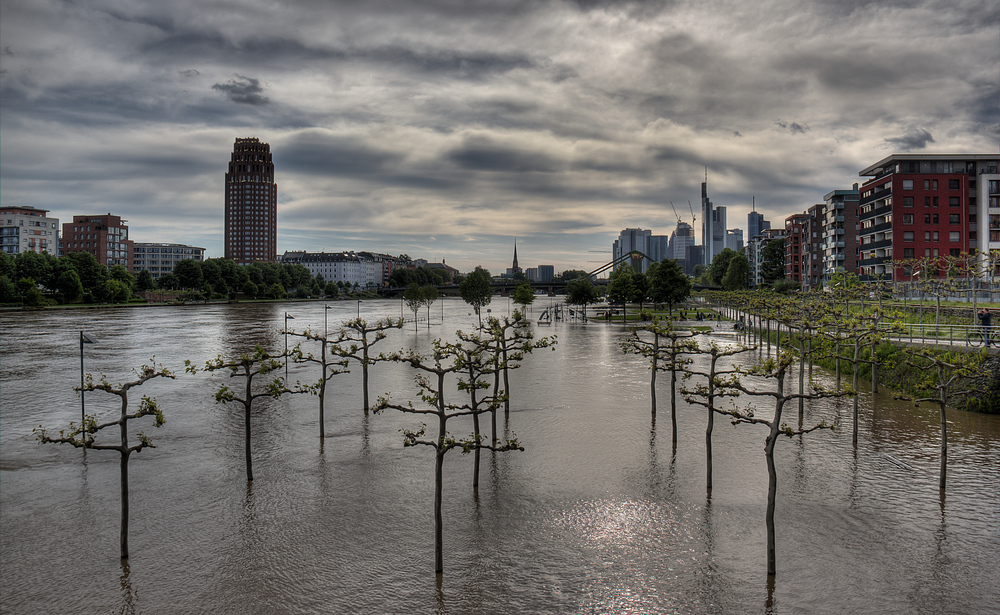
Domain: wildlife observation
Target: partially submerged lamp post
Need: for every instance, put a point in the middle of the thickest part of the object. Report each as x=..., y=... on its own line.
x=83, y=407
x=287, y=318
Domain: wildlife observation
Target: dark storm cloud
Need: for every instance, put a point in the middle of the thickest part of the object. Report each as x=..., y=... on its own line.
x=915, y=138
x=312, y=154
x=481, y=154
x=243, y=90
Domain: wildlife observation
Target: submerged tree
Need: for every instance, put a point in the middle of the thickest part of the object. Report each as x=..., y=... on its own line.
x=354, y=341
x=249, y=366
x=523, y=295
x=475, y=357
x=581, y=291
x=475, y=290
x=775, y=368
x=669, y=357
x=414, y=298
x=83, y=435
x=706, y=395
x=431, y=384
x=944, y=373
x=513, y=338
x=328, y=368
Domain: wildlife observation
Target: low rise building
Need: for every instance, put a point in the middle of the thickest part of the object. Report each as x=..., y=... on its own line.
x=159, y=259
x=28, y=229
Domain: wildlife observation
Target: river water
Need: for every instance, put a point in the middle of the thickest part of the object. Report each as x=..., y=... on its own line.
x=598, y=515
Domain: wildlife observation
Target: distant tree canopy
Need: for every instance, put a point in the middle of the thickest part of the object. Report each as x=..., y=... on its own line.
x=571, y=274
x=36, y=279
x=772, y=265
x=421, y=276
x=667, y=283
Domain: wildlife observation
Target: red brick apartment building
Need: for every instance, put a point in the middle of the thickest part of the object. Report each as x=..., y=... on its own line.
x=916, y=206
x=106, y=237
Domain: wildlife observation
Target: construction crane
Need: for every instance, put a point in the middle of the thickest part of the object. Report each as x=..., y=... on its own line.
x=676, y=214
x=692, y=214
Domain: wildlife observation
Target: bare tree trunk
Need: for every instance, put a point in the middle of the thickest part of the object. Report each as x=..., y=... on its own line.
x=802, y=372
x=857, y=357
x=322, y=395
x=944, y=439
x=652, y=376
x=772, y=482
x=246, y=429
x=124, y=488
x=364, y=377
x=708, y=444
x=506, y=381
x=438, y=525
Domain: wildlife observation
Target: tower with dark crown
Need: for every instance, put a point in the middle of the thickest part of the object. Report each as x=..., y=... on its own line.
x=251, y=216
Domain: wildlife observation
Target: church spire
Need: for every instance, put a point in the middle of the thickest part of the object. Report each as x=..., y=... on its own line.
x=515, y=267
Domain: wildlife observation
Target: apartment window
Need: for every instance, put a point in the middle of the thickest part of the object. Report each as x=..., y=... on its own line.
x=934, y=200
x=907, y=201
x=927, y=184
x=954, y=218
x=927, y=201
x=954, y=201
x=927, y=218
x=954, y=237
x=907, y=218
x=936, y=236
x=954, y=184
x=934, y=185
x=936, y=252
x=907, y=184
x=907, y=235
x=994, y=186
x=907, y=252
x=927, y=252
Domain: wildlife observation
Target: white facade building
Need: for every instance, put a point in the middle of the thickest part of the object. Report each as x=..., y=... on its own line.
x=161, y=258
x=28, y=229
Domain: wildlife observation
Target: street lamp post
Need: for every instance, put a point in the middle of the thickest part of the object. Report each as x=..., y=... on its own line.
x=359, y=308
x=326, y=310
x=83, y=406
x=287, y=318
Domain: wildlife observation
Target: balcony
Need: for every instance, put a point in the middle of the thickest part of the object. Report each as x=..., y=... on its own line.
x=885, y=243
x=879, y=260
x=881, y=211
x=878, y=194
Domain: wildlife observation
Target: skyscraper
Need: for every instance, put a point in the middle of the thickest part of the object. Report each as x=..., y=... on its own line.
x=713, y=226
x=251, y=231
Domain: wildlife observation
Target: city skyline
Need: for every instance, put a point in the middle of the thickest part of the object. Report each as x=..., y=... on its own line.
x=443, y=131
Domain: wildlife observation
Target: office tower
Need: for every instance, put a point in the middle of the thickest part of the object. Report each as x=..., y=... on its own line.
x=756, y=224
x=632, y=240
x=713, y=226
x=251, y=227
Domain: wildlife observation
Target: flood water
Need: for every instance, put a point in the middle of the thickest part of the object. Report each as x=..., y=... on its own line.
x=598, y=515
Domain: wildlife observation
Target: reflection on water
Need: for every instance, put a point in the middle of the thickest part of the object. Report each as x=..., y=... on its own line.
x=600, y=513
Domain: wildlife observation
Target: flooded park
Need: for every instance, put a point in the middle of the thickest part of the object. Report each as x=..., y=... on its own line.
x=599, y=514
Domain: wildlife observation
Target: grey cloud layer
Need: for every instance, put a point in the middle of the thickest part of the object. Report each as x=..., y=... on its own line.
x=557, y=122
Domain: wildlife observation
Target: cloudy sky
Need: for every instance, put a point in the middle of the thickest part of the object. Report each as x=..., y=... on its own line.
x=445, y=129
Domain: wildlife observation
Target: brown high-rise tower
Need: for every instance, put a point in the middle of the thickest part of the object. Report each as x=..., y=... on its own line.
x=251, y=232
